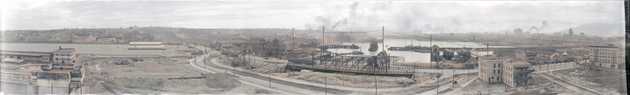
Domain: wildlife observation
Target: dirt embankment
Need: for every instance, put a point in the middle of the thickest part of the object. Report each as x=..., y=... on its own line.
x=156, y=75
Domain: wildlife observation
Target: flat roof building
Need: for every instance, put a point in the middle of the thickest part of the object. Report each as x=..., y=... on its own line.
x=490, y=68
x=64, y=56
x=497, y=69
x=607, y=57
x=516, y=73
x=26, y=56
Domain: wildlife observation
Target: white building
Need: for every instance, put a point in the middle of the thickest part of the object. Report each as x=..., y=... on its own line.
x=493, y=69
x=516, y=73
x=607, y=57
x=64, y=56
x=490, y=68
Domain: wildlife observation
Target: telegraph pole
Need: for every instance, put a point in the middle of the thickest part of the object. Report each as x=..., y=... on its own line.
x=453, y=78
x=293, y=38
x=325, y=85
x=376, y=84
x=86, y=66
x=321, y=48
x=51, y=86
x=321, y=54
x=1, y=66
x=431, y=49
x=437, y=89
x=26, y=88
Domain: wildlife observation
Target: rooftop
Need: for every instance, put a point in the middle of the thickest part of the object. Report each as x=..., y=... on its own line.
x=604, y=46
x=65, y=50
x=23, y=54
x=489, y=57
x=145, y=43
x=519, y=64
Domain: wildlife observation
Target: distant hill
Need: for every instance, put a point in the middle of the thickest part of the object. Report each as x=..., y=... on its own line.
x=125, y=35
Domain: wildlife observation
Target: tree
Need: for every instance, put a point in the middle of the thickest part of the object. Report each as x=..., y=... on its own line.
x=277, y=48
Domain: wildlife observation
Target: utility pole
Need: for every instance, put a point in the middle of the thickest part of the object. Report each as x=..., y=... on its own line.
x=431, y=49
x=26, y=88
x=437, y=89
x=375, y=78
x=375, y=83
x=325, y=85
x=86, y=66
x=453, y=78
x=383, y=45
x=1, y=66
x=321, y=48
x=51, y=86
x=292, y=38
x=321, y=54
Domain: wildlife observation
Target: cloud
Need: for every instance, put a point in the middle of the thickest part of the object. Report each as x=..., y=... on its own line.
x=343, y=15
x=198, y=14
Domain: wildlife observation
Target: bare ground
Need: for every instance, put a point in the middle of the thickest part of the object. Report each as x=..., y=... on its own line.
x=158, y=75
x=603, y=81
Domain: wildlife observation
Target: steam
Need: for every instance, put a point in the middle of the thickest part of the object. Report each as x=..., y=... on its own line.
x=371, y=16
x=538, y=29
x=354, y=17
x=333, y=20
x=454, y=17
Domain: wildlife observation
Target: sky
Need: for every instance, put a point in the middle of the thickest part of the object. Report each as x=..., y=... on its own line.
x=343, y=15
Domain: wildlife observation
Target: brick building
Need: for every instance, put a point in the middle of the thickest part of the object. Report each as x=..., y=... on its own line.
x=607, y=56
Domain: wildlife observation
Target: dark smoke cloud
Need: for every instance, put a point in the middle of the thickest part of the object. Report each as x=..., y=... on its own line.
x=407, y=16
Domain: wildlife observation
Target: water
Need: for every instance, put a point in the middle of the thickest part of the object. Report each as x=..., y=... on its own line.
x=98, y=49
x=409, y=55
x=407, y=42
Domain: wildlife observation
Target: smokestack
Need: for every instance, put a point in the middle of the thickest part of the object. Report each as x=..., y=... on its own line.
x=293, y=38
x=383, y=37
x=321, y=50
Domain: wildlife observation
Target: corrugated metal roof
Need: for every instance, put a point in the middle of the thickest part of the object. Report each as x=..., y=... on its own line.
x=145, y=43
x=65, y=50
x=23, y=54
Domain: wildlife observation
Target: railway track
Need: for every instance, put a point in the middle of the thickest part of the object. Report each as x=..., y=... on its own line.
x=256, y=82
x=296, y=86
x=570, y=85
